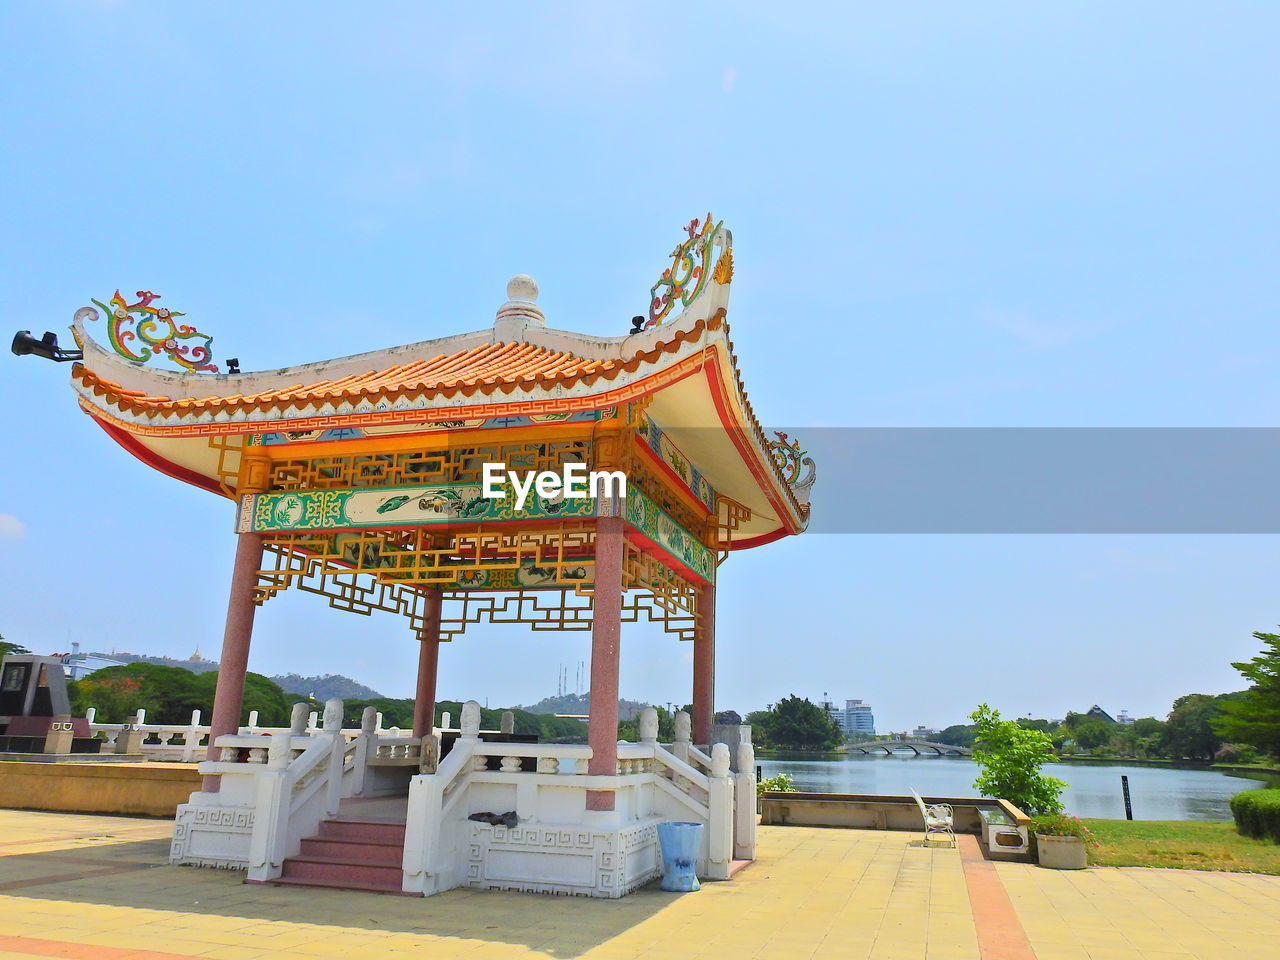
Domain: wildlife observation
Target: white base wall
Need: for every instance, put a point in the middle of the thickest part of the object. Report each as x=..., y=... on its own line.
x=212, y=836
x=581, y=861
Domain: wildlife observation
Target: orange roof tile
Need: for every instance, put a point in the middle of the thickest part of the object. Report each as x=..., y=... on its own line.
x=479, y=370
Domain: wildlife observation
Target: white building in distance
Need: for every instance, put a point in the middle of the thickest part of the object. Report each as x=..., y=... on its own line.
x=856, y=719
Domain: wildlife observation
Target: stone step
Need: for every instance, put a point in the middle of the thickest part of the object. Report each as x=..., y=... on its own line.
x=341, y=885
x=369, y=851
x=353, y=873
x=378, y=831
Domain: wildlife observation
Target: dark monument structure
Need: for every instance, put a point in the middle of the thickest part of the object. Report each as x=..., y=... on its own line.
x=35, y=713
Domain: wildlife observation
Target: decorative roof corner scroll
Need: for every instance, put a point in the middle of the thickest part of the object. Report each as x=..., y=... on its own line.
x=692, y=267
x=791, y=460
x=156, y=328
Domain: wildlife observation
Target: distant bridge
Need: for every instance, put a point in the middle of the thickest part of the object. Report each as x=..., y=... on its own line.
x=889, y=747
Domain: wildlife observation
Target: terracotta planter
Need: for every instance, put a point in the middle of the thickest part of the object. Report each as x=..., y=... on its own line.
x=1061, y=853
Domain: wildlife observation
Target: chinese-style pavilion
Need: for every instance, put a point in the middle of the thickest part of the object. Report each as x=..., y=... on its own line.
x=361, y=478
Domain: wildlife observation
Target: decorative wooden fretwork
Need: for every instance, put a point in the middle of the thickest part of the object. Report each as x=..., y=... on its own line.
x=476, y=559
x=564, y=609
x=344, y=588
x=540, y=573
x=730, y=515
x=455, y=465
x=538, y=577
x=658, y=592
x=229, y=448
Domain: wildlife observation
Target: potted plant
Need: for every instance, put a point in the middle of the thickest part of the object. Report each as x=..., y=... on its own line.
x=1061, y=841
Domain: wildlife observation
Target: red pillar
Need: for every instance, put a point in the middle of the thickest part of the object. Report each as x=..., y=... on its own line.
x=606, y=629
x=234, y=660
x=704, y=667
x=424, y=702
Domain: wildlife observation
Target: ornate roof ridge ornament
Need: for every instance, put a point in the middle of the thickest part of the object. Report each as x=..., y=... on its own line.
x=691, y=268
x=158, y=330
x=790, y=461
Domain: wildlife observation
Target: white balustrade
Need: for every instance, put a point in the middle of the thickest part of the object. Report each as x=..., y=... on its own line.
x=281, y=783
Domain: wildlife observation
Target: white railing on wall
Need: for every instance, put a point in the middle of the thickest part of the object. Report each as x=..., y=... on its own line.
x=294, y=778
x=651, y=780
x=188, y=742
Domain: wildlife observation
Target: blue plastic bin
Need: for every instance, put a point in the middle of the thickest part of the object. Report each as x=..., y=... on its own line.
x=680, y=843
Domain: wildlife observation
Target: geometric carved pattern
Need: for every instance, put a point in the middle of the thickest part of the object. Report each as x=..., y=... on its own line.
x=617, y=860
x=458, y=465
x=216, y=832
x=383, y=569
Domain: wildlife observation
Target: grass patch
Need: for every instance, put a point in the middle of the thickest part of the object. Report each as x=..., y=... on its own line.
x=1182, y=844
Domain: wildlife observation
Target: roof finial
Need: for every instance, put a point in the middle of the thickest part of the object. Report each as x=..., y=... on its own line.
x=520, y=311
x=522, y=287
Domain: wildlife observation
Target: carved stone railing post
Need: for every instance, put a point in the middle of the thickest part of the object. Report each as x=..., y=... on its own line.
x=279, y=753
x=61, y=732
x=298, y=720
x=312, y=719
x=366, y=750
x=333, y=731
x=445, y=717
x=470, y=725
x=683, y=737
x=191, y=738
x=130, y=739
x=90, y=714
x=378, y=725
x=719, y=815
x=508, y=722
x=648, y=726
x=253, y=721
x=270, y=836
x=429, y=754
x=141, y=717
x=744, y=802
x=333, y=716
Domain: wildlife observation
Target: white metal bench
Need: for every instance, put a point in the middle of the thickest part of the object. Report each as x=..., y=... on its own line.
x=937, y=819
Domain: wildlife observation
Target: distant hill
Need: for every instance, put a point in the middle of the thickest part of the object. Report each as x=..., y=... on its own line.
x=328, y=687
x=200, y=665
x=580, y=703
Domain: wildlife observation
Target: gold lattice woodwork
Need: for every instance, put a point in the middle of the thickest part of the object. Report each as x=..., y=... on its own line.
x=412, y=467
x=229, y=448
x=564, y=609
x=539, y=575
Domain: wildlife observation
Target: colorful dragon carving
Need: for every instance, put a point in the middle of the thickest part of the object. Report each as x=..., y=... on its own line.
x=157, y=329
x=691, y=268
x=790, y=460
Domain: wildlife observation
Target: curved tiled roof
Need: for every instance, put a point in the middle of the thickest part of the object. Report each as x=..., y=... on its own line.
x=482, y=369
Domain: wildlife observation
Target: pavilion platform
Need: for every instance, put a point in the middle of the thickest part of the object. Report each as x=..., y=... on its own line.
x=89, y=888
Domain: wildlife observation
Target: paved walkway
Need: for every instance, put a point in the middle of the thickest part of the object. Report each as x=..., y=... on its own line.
x=98, y=888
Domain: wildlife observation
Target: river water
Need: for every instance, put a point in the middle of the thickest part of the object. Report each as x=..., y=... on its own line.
x=1093, y=789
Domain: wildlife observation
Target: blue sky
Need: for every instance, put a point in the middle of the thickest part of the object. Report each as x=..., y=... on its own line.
x=1059, y=214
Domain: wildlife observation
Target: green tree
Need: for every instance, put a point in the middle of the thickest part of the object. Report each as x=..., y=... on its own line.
x=1010, y=756
x=1188, y=732
x=7, y=647
x=169, y=694
x=1253, y=717
x=759, y=720
x=1092, y=734
x=957, y=735
x=796, y=723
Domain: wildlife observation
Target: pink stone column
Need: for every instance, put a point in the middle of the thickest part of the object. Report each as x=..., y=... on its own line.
x=606, y=630
x=704, y=667
x=228, y=696
x=424, y=702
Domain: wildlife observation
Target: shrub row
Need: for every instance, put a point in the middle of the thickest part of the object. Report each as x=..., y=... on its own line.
x=1257, y=813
